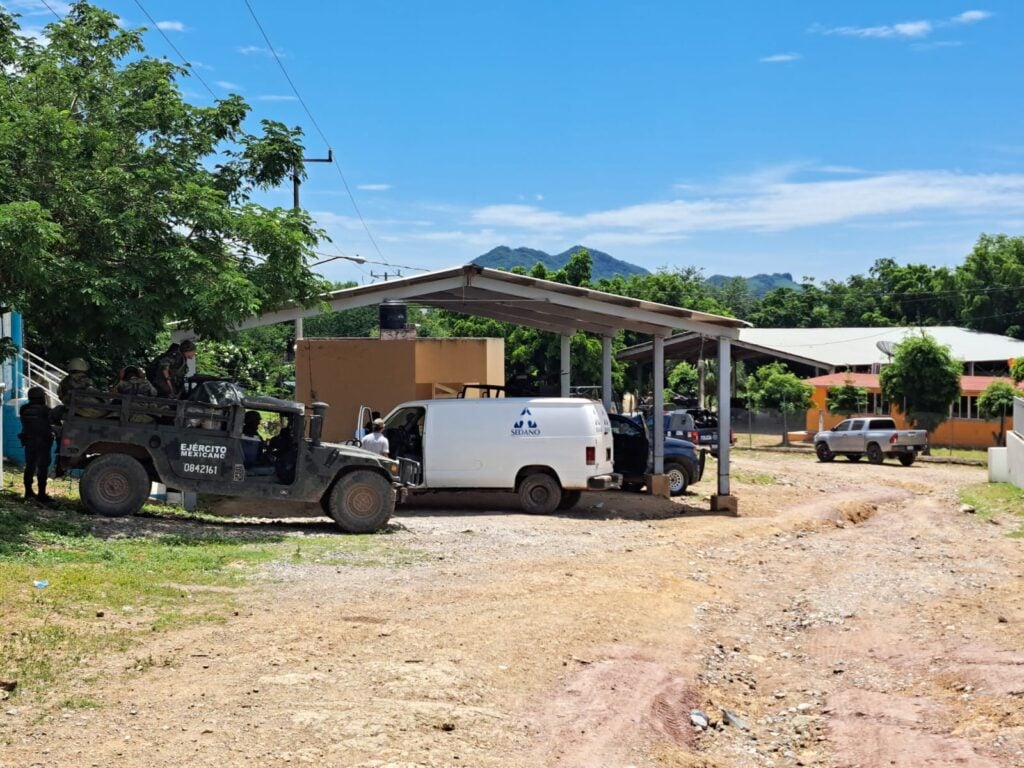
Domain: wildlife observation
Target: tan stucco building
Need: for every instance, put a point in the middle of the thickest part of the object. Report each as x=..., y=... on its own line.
x=382, y=373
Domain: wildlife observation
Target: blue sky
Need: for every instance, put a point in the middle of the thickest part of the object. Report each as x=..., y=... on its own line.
x=738, y=137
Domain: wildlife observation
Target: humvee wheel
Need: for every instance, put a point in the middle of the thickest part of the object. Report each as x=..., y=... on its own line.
x=361, y=502
x=114, y=485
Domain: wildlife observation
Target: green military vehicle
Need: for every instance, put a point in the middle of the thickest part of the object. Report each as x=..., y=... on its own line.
x=196, y=444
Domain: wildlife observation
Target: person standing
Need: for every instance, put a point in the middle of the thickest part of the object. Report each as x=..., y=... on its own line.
x=37, y=437
x=375, y=441
x=168, y=372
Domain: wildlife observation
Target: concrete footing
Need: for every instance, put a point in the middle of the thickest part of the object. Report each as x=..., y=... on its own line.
x=728, y=504
x=657, y=485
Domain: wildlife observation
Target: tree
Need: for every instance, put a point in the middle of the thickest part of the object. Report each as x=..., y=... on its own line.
x=773, y=386
x=682, y=379
x=847, y=399
x=989, y=280
x=997, y=400
x=122, y=206
x=923, y=379
x=1017, y=370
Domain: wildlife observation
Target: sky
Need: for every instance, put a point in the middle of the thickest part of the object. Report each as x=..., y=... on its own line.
x=738, y=137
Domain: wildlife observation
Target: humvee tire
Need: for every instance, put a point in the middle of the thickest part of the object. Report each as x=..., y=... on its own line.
x=114, y=485
x=361, y=502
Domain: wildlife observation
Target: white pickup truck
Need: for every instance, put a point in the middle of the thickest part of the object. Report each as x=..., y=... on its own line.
x=876, y=438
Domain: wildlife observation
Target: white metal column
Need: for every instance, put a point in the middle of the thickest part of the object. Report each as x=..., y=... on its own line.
x=566, y=363
x=606, y=372
x=658, y=374
x=724, y=412
x=299, y=330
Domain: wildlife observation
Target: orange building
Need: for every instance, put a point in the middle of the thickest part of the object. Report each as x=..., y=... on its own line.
x=382, y=373
x=963, y=429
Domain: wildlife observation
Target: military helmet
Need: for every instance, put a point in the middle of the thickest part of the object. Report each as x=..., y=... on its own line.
x=77, y=364
x=36, y=395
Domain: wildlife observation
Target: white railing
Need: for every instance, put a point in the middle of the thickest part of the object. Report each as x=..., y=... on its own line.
x=40, y=373
x=1018, y=415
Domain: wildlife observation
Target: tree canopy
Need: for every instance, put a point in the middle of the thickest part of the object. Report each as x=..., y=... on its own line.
x=124, y=206
x=847, y=399
x=923, y=380
x=997, y=401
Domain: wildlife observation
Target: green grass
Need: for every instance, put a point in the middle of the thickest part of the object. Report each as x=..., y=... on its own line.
x=158, y=572
x=753, y=478
x=996, y=499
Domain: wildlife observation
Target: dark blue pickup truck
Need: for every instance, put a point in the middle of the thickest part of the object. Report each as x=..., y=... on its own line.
x=684, y=464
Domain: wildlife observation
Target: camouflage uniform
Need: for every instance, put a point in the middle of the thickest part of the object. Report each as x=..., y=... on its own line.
x=78, y=381
x=176, y=365
x=139, y=386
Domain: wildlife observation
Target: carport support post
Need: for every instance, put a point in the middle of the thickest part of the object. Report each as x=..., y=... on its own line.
x=723, y=501
x=606, y=372
x=659, y=405
x=566, y=362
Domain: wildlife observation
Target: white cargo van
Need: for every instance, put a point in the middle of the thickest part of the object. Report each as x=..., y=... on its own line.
x=547, y=449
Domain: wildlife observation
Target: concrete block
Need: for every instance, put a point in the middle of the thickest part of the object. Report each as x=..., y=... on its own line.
x=728, y=504
x=998, y=465
x=657, y=485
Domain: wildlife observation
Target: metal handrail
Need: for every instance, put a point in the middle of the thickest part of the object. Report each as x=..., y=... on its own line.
x=39, y=372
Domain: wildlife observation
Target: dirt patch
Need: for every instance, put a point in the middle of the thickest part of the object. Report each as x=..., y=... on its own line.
x=850, y=616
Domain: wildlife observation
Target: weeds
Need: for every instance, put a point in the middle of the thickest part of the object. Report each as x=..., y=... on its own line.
x=995, y=500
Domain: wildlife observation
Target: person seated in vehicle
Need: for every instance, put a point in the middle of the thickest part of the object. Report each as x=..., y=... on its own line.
x=75, y=386
x=255, y=453
x=168, y=372
x=411, y=439
x=284, y=452
x=134, y=383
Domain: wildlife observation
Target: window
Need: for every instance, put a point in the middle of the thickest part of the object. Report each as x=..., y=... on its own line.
x=882, y=424
x=857, y=426
x=843, y=426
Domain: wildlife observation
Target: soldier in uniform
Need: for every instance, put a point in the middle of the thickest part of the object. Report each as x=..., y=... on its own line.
x=78, y=381
x=37, y=437
x=135, y=383
x=168, y=372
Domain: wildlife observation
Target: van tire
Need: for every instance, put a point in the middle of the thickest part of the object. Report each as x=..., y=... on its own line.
x=678, y=478
x=114, y=485
x=361, y=502
x=539, y=494
x=570, y=499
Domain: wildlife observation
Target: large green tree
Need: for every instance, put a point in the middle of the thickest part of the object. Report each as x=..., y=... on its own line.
x=122, y=206
x=847, y=399
x=775, y=387
x=923, y=379
x=991, y=281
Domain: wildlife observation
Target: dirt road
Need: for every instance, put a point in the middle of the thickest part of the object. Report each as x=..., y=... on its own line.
x=853, y=616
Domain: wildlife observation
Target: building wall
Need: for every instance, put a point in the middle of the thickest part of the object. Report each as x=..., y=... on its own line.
x=347, y=373
x=955, y=432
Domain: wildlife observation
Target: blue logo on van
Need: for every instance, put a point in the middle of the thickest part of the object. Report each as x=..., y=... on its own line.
x=525, y=426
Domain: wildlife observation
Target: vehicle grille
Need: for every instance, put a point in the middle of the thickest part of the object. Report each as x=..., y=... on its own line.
x=410, y=471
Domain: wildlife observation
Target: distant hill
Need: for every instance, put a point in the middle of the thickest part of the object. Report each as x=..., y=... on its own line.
x=759, y=285
x=604, y=265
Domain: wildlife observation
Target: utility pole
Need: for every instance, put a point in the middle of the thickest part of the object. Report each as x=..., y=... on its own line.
x=296, y=206
x=385, y=275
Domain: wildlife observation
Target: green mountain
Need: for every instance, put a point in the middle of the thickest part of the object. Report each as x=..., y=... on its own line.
x=604, y=265
x=759, y=285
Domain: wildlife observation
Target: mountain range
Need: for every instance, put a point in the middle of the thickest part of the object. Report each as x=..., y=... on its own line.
x=606, y=266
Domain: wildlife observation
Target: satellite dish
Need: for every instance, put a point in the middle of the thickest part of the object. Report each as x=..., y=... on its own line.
x=886, y=347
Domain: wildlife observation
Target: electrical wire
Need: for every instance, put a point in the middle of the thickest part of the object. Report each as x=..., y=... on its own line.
x=59, y=17
x=188, y=65
x=316, y=125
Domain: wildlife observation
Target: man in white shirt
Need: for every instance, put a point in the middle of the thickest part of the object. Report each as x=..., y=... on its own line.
x=375, y=441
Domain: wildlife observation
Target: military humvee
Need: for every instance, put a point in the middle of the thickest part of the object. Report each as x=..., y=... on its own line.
x=197, y=445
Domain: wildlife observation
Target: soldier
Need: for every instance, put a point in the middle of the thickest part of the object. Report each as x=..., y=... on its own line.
x=37, y=437
x=168, y=372
x=77, y=378
x=135, y=383
x=77, y=381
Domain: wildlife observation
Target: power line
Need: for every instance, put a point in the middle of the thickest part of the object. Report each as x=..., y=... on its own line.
x=360, y=260
x=188, y=65
x=316, y=125
x=59, y=17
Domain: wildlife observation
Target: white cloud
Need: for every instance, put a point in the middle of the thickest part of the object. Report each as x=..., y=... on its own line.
x=256, y=50
x=781, y=205
x=905, y=29
x=228, y=85
x=778, y=58
x=37, y=7
x=276, y=97
x=374, y=187
x=841, y=169
x=170, y=26
x=936, y=45
x=971, y=17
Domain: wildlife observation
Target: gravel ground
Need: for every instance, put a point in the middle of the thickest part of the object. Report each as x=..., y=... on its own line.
x=852, y=616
